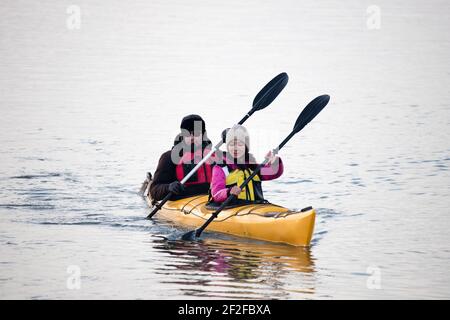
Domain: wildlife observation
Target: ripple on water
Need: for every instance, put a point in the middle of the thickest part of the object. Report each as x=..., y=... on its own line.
x=297, y=181
x=357, y=182
x=37, y=176
x=27, y=206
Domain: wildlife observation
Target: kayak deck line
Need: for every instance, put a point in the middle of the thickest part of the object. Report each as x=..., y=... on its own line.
x=242, y=208
x=193, y=198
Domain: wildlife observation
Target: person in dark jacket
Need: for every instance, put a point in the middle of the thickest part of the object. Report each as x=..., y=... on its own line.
x=190, y=146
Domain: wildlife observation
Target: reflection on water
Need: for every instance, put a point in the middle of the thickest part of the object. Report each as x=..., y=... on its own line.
x=235, y=269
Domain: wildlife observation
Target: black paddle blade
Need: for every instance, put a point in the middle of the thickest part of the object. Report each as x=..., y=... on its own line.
x=311, y=110
x=189, y=236
x=270, y=91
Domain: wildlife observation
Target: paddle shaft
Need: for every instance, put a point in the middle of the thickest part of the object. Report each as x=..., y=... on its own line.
x=264, y=98
x=160, y=204
x=309, y=112
x=214, y=215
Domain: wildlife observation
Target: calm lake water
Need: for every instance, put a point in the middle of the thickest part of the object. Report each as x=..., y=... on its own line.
x=86, y=112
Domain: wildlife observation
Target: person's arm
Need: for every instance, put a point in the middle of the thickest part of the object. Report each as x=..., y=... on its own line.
x=272, y=171
x=164, y=175
x=219, y=190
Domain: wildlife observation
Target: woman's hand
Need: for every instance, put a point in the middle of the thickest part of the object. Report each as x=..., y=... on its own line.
x=235, y=191
x=271, y=157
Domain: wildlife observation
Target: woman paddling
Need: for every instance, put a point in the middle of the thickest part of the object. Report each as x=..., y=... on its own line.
x=239, y=164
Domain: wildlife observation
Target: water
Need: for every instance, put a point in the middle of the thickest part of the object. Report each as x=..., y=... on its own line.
x=85, y=113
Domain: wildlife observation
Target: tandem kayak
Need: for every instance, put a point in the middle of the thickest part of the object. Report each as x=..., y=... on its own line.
x=261, y=221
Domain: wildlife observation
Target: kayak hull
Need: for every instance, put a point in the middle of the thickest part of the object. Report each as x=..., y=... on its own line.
x=268, y=222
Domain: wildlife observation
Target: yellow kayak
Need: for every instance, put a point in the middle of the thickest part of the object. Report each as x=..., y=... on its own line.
x=263, y=221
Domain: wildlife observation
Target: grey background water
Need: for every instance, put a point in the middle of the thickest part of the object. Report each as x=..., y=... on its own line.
x=86, y=112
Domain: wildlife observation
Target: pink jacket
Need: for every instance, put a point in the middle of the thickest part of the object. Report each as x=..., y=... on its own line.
x=220, y=192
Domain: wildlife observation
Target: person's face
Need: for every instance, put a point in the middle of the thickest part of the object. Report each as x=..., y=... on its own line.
x=236, y=148
x=190, y=138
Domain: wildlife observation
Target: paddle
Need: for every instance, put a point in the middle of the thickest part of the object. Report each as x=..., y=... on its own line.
x=310, y=111
x=262, y=100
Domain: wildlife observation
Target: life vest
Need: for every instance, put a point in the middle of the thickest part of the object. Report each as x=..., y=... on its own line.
x=235, y=177
x=188, y=161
